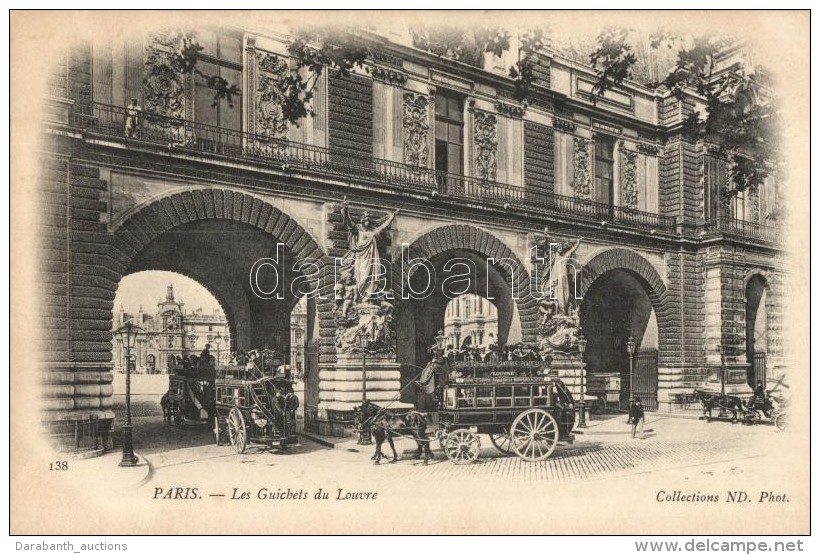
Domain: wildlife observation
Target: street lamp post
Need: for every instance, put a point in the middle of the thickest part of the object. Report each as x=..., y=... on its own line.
x=582, y=420
x=630, y=348
x=128, y=335
x=218, y=341
x=363, y=342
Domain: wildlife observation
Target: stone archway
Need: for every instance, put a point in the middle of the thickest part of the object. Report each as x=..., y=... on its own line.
x=209, y=234
x=422, y=318
x=623, y=296
x=757, y=299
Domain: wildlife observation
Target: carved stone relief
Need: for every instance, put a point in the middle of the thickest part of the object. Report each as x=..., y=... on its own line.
x=629, y=178
x=270, y=121
x=416, y=124
x=582, y=177
x=163, y=87
x=485, y=142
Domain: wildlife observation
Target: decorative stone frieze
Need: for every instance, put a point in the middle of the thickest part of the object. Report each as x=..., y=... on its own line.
x=163, y=87
x=270, y=120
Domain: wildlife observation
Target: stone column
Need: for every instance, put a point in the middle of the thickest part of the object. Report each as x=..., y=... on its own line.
x=725, y=319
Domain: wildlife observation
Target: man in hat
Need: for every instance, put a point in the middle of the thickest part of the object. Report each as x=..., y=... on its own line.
x=427, y=382
x=132, y=116
x=636, y=417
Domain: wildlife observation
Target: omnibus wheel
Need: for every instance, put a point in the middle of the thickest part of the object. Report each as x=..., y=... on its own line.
x=462, y=446
x=237, y=431
x=534, y=435
x=502, y=442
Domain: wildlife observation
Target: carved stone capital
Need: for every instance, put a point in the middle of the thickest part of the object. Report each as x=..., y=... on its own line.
x=388, y=75
x=564, y=125
x=648, y=149
x=510, y=110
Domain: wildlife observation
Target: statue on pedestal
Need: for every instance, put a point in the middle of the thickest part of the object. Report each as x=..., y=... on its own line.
x=560, y=325
x=359, y=305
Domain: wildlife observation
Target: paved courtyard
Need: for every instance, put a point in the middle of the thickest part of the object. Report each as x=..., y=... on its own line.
x=603, y=450
x=586, y=487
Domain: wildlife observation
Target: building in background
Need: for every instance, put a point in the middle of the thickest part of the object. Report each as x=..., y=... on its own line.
x=171, y=331
x=470, y=320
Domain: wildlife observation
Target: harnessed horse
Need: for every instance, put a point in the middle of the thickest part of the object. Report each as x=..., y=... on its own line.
x=386, y=424
x=724, y=402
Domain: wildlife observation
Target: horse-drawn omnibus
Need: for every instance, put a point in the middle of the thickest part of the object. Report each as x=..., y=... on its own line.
x=521, y=407
x=253, y=406
x=190, y=394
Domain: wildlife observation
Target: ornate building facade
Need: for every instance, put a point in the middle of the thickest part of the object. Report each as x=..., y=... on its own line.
x=143, y=168
x=171, y=332
x=470, y=320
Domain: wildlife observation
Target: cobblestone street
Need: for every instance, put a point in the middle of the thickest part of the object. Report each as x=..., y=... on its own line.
x=602, y=450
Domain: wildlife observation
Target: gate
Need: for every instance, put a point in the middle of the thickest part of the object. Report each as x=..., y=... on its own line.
x=312, y=386
x=758, y=369
x=646, y=377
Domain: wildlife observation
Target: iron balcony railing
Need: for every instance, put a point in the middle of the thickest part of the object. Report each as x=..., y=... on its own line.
x=745, y=229
x=185, y=135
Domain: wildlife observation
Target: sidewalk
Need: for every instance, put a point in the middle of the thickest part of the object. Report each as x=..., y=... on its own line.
x=117, y=478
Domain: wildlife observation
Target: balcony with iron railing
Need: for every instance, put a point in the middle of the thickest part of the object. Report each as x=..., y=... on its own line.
x=144, y=129
x=742, y=229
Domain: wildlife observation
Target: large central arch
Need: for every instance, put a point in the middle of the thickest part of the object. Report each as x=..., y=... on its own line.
x=422, y=318
x=214, y=235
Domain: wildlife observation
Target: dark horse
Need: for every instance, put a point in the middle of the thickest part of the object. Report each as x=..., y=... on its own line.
x=386, y=424
x=724, y=402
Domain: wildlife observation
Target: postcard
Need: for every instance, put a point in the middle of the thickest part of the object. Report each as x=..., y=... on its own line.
x=467, y=272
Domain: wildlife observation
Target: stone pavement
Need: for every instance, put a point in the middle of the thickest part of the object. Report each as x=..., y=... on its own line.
x=602, y=450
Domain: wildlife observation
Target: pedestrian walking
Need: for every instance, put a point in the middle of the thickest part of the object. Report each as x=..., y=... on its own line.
x=636, y=417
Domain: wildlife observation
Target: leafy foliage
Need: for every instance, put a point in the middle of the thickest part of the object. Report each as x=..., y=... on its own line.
x=740, y=116
x=613, y=59
x=522, y=72
x=313, y=49
x=737, y=118
x=461, y=45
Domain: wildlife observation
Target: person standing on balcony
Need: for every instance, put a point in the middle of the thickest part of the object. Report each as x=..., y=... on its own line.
x=132, y=118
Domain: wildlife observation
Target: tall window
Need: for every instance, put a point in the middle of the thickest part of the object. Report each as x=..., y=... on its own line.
x=449, y=133
x=221, y=56
x=604, y=170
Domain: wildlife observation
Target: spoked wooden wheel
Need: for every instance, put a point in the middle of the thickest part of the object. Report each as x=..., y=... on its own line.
x=501, y=441
x=534, y=434
x=237, y=432
x=462, y=446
